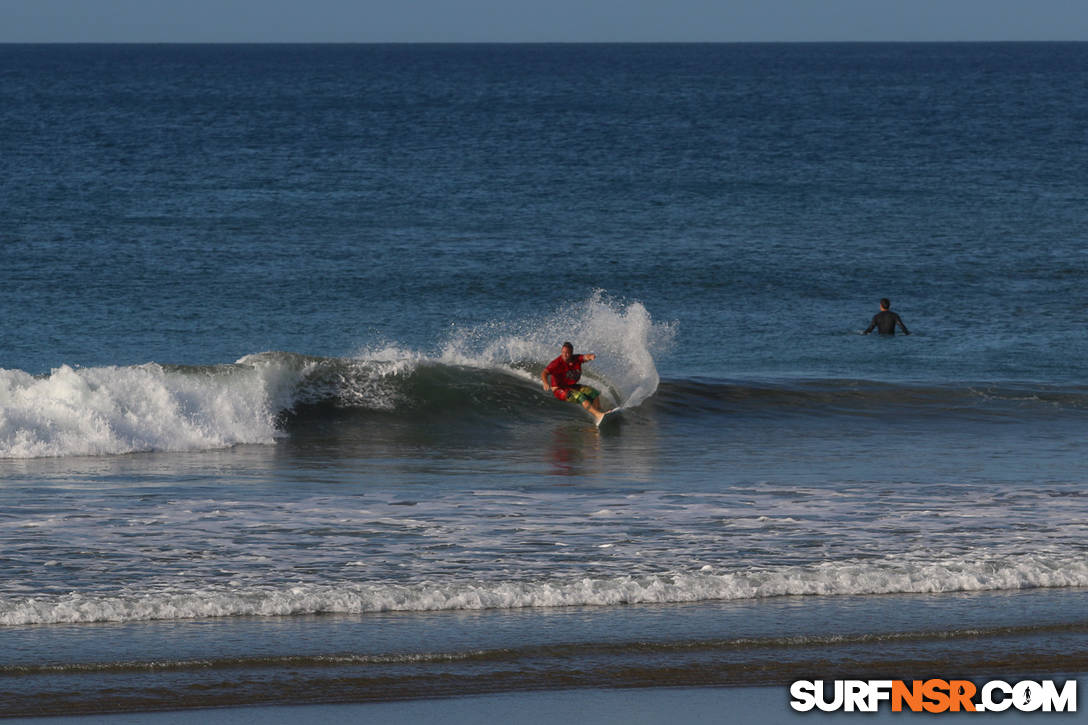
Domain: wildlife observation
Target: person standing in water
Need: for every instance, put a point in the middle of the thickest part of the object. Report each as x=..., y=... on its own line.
x=886, y=320
x=561, y=376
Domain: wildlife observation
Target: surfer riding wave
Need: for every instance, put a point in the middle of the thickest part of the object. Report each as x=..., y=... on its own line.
x=561, y=377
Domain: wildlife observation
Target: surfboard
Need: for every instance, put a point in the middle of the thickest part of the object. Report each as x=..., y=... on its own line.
x=610, y=416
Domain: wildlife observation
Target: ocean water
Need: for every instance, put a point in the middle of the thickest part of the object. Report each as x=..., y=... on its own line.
x=271, y=429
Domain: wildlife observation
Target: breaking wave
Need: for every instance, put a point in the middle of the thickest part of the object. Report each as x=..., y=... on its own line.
x=156, y=407
x=887, y=576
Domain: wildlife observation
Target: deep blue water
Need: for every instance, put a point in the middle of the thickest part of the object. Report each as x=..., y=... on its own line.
x=195, y=204
x=273, y=316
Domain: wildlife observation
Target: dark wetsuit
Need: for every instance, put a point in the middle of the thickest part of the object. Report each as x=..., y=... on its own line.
x=885, y=321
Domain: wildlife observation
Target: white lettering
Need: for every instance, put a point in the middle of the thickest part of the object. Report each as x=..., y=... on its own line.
x=835, y=703
x=1065, y=701
x=856, y=696
x=1027, y=696
x=879, y=690
x=804, y=695
x=988, y=701
x=994, y=696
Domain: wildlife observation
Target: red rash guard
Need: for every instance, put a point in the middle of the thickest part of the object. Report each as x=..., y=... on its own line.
x=564, y=374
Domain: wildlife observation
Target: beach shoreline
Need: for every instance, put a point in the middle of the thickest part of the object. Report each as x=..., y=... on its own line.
x=272, y=438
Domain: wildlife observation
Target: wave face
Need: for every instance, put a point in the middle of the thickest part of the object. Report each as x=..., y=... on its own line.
x=265, y=396
x=487, y=374
x=478, y=371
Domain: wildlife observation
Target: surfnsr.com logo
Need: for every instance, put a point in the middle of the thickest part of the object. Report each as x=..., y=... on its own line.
x=933, y=696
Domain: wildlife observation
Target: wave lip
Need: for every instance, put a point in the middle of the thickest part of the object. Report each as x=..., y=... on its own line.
x=886, y=576
x=623, y=336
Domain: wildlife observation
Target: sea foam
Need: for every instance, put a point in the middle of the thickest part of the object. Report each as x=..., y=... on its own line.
x=623, y=336
x=116, y=410
x=113, y=410
x=830, y=579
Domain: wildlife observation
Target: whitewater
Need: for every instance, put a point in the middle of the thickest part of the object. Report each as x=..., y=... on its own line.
x=271, y=424
x=159, y=407
x=844, y=579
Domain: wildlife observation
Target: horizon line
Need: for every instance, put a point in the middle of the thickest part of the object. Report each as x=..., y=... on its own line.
x=534, y=42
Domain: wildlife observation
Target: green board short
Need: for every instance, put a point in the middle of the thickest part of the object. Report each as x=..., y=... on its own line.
x=580, y=393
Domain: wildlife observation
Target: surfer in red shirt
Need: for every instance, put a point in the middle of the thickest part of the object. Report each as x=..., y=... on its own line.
x=561, y=376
